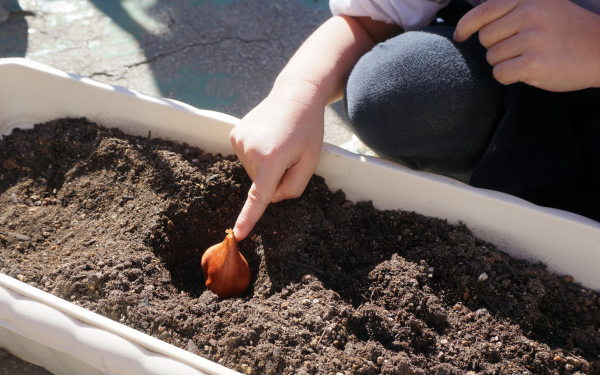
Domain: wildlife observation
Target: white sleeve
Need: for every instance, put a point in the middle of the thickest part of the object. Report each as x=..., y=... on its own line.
x=408, y=14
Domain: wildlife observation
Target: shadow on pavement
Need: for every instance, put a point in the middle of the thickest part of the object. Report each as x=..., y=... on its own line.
x=13, y=29
x=218, y=55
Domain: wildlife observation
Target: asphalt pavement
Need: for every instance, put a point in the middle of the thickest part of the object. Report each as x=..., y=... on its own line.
x=221, y=55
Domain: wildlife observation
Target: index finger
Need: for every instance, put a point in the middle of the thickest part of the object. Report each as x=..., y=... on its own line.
x=259, y=196
x=482, y=15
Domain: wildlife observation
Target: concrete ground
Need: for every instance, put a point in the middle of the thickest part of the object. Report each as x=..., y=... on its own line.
x=221, y=55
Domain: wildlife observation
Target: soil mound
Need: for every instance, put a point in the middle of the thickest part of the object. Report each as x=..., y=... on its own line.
x=118, y=224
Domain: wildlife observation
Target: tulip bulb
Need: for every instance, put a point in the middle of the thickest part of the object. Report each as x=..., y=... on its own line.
x=226, y=271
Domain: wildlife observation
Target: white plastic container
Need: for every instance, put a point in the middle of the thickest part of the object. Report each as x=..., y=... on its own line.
x=67, y=339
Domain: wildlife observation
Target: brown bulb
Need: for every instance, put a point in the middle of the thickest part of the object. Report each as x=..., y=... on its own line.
x=226, y=271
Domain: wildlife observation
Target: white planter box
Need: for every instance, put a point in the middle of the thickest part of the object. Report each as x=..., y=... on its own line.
x=67, y=339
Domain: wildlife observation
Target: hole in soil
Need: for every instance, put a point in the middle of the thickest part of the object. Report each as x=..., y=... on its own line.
x=184, y=235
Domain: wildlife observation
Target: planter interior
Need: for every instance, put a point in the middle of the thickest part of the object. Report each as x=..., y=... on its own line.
x=53, y=333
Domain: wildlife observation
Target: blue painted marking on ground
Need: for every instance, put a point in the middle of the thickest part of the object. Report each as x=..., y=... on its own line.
x=201, y=90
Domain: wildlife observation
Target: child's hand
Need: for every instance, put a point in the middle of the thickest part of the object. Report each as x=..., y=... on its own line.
x=279, y=144
x=550, y=44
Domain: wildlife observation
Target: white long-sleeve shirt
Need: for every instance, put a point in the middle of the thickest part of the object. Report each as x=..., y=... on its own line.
x=408, y=14
x=411, y=14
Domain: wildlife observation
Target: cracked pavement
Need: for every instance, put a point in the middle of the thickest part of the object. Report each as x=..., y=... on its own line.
x=221, y=55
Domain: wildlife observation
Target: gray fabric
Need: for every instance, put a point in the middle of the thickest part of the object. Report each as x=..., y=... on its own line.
x=425, y=101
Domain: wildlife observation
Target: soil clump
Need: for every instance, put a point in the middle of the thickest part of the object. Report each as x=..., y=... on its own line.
x=118, y=224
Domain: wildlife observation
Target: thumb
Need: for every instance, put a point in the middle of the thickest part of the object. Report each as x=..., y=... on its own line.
x=259, y=196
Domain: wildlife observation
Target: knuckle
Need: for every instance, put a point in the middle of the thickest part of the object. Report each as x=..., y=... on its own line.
x=243, y=219
x=233, y=137
x=542, y=39
x=500, y=75
x=532, y=63
x=253, y=154
x=237, y=144
x=262, y=154
x=541, y=14
x=487, y=8
x=529, y=16
x=505, y=74
x=534, y=15
x=236, y=141
x=255, y=197
x=490, y=56
x=484, y=36
x=271, y=152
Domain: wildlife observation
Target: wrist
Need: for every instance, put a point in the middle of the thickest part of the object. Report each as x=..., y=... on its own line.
x=301, y=91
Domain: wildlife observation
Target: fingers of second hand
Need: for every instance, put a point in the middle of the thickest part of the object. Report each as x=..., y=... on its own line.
x=482, y=15
x=501, y=29
x=506, y=49
x=510, y=71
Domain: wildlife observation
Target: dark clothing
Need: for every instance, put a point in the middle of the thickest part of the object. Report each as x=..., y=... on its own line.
x=432, y=104
x=425, y=101
x=546, y=150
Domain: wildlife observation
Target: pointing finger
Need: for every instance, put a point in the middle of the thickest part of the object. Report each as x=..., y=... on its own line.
x=260, y=195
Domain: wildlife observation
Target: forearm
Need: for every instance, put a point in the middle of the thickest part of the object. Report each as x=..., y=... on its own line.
x=279, y=141
x=317, y=73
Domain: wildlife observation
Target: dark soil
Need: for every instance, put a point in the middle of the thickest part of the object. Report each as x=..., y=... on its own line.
x=11, y=365
x=118, y=224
